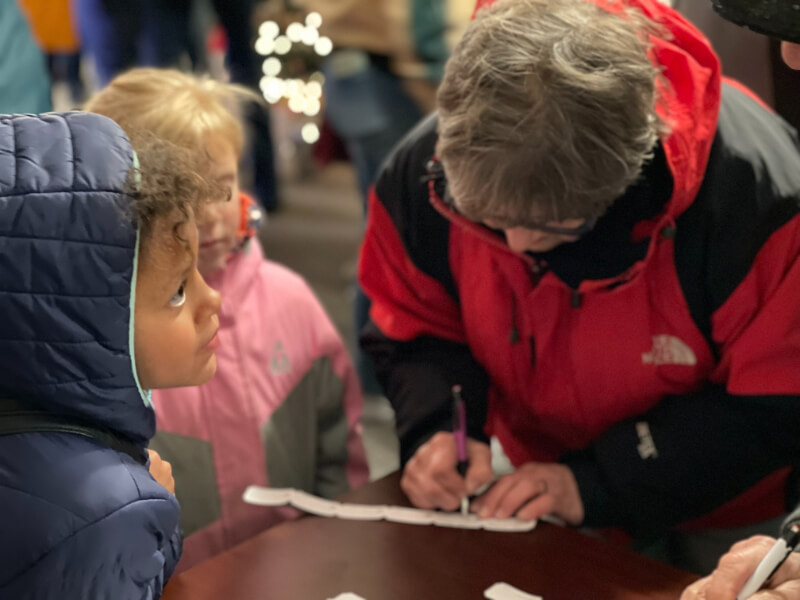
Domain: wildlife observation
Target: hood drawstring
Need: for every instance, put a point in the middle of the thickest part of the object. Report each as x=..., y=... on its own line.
x=513, y=336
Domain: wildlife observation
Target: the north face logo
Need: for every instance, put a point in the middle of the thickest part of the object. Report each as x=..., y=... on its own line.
x=279, y=363
x=669, y=350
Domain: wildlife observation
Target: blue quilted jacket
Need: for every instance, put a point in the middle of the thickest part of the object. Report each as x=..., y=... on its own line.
x=78, y=520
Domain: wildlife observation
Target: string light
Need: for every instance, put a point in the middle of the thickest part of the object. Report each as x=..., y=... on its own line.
x=310, y=133
x=302, y=97
x=295, y=32
x=312, y=107
x=269, y=30
x=310, y=36
x=273, y=88
x=297, y=104
x=314, y=19
x=323, y=46
x=294, y=87
x=272, y=66
x=265, y=46
x=314, y=90
x=283, y=45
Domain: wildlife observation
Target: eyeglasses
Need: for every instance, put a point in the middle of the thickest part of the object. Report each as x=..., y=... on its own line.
x=579, y=231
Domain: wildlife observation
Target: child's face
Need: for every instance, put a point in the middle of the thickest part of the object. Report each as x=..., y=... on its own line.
x=176, y=318
x=218, y=225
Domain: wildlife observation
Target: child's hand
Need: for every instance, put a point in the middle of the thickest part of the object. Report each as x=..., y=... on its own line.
x=531, y=492
x=161, y=471
x=430, y=479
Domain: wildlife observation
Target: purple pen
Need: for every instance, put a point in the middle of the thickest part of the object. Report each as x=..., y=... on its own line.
x=460, y=431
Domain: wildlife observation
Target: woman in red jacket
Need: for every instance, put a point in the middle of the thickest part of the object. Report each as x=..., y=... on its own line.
x=598, y=239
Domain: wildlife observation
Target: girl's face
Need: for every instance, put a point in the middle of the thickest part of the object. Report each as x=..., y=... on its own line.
x=176, y=312
x=218, y=225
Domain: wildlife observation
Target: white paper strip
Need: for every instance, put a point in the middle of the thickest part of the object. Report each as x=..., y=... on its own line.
x=504, y=591
x=262, y=496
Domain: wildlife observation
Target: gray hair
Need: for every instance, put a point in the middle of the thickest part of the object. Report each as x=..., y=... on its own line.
x=547, y=111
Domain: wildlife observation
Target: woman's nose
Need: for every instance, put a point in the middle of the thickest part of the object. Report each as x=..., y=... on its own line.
x=521, y=240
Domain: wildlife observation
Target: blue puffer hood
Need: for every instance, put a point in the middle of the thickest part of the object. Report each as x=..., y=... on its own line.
x=68, y=253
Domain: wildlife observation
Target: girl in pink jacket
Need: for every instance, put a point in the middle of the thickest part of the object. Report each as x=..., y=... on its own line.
x=283, y=409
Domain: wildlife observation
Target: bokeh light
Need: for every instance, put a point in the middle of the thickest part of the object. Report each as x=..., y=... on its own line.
x=269, y=30
x=283, y=45
x=312, y=107
x=272, y=66
x=265, y=46
x=323, y=46
x=314, y=90
x=310, y=36
x=314, y=19
x=295, y=32
x=310, y=133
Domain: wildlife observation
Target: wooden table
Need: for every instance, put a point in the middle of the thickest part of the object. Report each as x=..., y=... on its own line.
x=315, y=558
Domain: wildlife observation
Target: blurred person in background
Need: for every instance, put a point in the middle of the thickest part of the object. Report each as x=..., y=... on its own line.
x=24, y=82
x=380, y=80
x=121, y=34
x=244, y=68
x=749, y=57
x=744, y=54
x=56, y=32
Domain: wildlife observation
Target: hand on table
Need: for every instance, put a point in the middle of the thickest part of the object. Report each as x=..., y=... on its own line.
x=735, y=568
x=161, y=471
x=430, y=479
x=532, y=491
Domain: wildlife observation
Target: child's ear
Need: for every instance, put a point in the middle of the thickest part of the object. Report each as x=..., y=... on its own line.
x=249, y=217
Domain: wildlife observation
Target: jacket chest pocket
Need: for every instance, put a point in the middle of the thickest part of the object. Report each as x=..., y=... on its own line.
x=611, y=355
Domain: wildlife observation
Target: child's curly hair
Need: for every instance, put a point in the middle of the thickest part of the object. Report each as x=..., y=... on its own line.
x=167, y=182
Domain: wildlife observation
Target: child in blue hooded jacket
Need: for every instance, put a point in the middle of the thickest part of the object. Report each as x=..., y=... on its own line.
x=100, y=301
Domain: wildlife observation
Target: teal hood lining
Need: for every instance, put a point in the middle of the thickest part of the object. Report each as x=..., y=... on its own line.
x=146, y=395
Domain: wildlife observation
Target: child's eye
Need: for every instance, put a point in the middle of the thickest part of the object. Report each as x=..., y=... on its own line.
x=179, y=297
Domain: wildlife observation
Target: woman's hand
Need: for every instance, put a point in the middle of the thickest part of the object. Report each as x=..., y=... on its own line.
x=531, y=492
x=430, y=479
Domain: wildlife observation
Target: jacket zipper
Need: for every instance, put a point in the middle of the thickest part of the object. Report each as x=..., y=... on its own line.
x=513, y=336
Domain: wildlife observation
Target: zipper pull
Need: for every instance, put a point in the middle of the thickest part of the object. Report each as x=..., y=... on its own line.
x=514, y=335
x=433, y=171
x=576, y=299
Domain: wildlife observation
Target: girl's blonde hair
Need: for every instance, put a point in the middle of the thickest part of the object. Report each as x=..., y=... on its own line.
x=180, y=108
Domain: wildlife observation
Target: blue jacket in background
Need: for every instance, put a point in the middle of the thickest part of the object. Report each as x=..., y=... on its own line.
x=78, y=520
x=24, y=80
